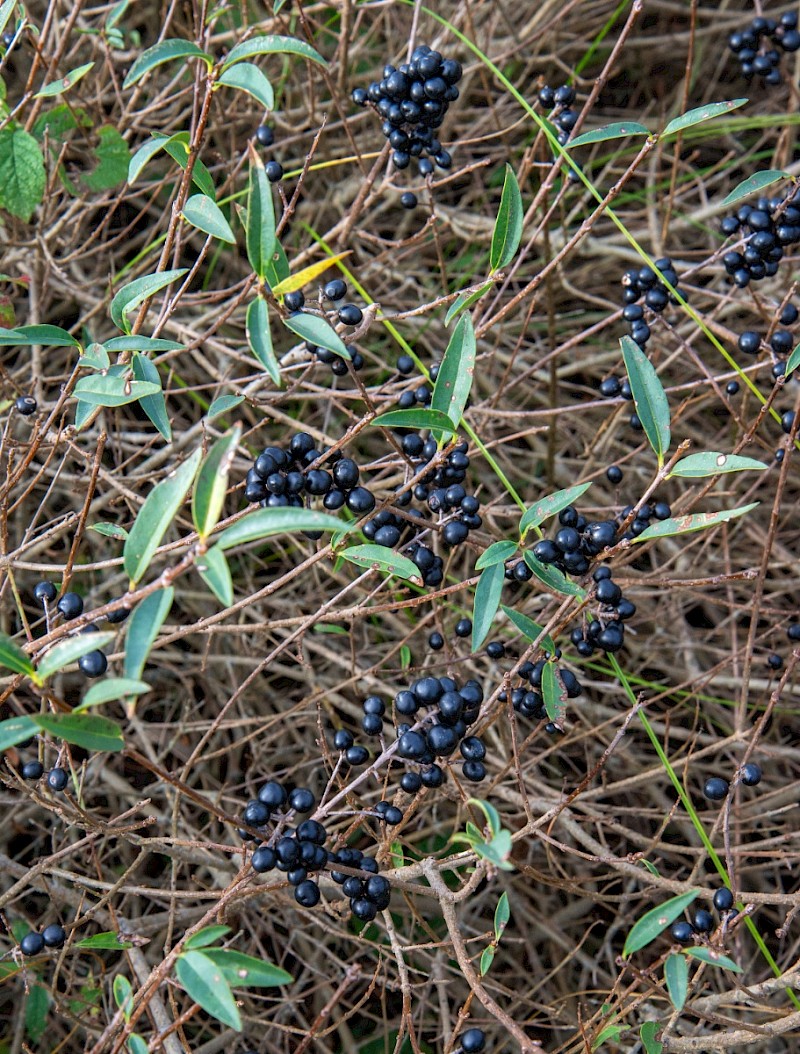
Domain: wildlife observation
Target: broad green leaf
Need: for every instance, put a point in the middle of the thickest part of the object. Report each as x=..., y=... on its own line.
x=617, y=130
x=647, y=1034
x=110, y=530
x=245, y=971
x=502, y=913
x=108, y=390
x=206, y=936
x=463, y=301
x=456, y=372
x=83, y=412
x=553, y=578
x=507, y=232
x=266, y=522
x=259, y=338
x=48, y=336
x=317, y=331
x=548, y=506
x=497, y=851
x=260, y=229
x=37, y=1005
x=649, y=397
x=531, y=630
x=164, y=51
x=13, y=657
x=211, y=484
x=698, y=521
x=422, y=418
x=22, y=174
x=497, y=553
x=143, y=628
x=204, y=983
x=16, y=730
x=700, y=114
x=123, y=995
x=277, y=267
x=70, y=650
x=146, y=152
x=139, y=343
x=155, y=516
x=113, y=156
x=712, y=463
x=713, y=958
x=136, y=292
x=247, y=77
x=655, y=921
x=487, y=957
x=676, y=974
x=213, y=569
x=758, y=181
x=95, y=357
x=208, y=217
x=154, y=406
x=379, y=558
x=793, y=361
x=222, y=404
x=108, y=941
x=137, y=1044
x=65, y=83
x=90, y=731
x=554, y=695
x=487, y=601
x=271, y=45
x=609, y=1032
x=111, y=689
x=308, y=274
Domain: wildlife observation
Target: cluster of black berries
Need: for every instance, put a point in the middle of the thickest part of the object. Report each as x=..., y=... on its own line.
x=754, y=59
x=368, y=895
x=607, y=631
x=57, y=778
x=70, y=606
x=575, y=542
x=780, y=342
x=702, y=923
x=347, y=314
x=769, y=227
x=282, y=477
x=659, y=510
x=611, y=388
x=413, y=101
x=441, y=488
x=52, y=936
x=420, y=396
x=526, y=698
x=716, y=788
x=558, y=102
x=644, y=282
x=265, y=136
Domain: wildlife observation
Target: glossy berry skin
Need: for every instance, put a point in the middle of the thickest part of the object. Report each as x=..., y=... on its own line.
x=334, y=290
x=70, y=605
x=307, y=893
x=301, y=800
x=751, y=774
x=408, y=200
x=93, y=664
x=703, y=921
x=45, y=592
x=265, y=136
x=463, y=627
x=356, y=755
x=115, y=617
x=435, y=641
x=32, y=770
x=274, y=171
x=723, y=899
x=350, y=314
x=360, y=501
x=614, y=474
x=57, y=779
x=263, y=859
x=272, y=794
x=25, y=405
x=472, y=749
x=294, y=300
x=473, y=1040
x=410, y=782
x=342, y=739
x=682, y=932
x=32, y=944
x=474, y=771
x=54, y=935
x=256, y=814
x=495, y=649
x=715, y=788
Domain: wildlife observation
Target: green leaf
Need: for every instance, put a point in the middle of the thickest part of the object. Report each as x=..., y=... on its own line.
x=13, y=657
x=110, y=530
x=266, y=522
x=553, y=578
x=90, y=731
x=22, y=174
x=111, y=689
x=154, y=406
x=156, y=514
x=317, y=331
x=649, y=397
x=137, y=1044
x=248, y=78
x=177, y=148
x=655, y=921
x=145, y=622
x=497, y=553
x=699, y=521
x=123, y=995
x=222, y=404
x=758, y=181
x=647, y=1034
x=502, y=913
x=211, y=484
x=277, y=267
x=379, y=558
x=463, y=301
x=531, y=630
x=98, y=390
x=206, y=936
x=713, y=958
x=497, y=851
x=37, y=1005
x=487, y=601
x=793, y=361
x=213, y=569
x=69, y=651
x=487, y=957
x=164, y=51
x=507, y=232
x=259, y=338
x=554, y=695
x=700, y=114
x=307, y=274
x=260, y=230
x=16, y=730
x=208, y=217
x=140, y=343
x=617, y=130
x=456, y=372
x=245, y=971
x=271, y=45
x=548, y=506
x=95, y=357
x=136, y=292
x=422, y=418
x=6, y=11
x=204, y=983
x=113, y=157
x=107, y=941
x=49, y=336
x=492, y=815
x=713, y=463
x=676, y=974
x=609, y=1032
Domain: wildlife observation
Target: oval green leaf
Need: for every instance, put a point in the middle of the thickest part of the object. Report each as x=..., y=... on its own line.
x=164, y=51
x=701, y=114
x=647, y=1034
x=211, y=484
x=110, y=530
x=456, y=372
x=713, y=958
x=502, y=914
x=259, y=338
x=49, y=336
x=676, y=974
x=108, y=941
x=617, y=130
x=379, y=558
x=95, y=357
x=70, y=650
x=204, y=982
x=434, y=420
x=317, y=331
x=123, y=995
x=529, y=629
x=65, y=83
x=260, y=237
x=248, y=78
x=699, y=521
x=507, y=232
x=206, y=936
x=143, y=628
x=548, y=506
x=713, y=463
x=140, y=343
x=222, y=404
x=208, y=217
x=110, y=690
x=16, y=730
x=497, y=553
x=553, y=578
x=793, y=361
x=554, y=695
x=271, y=45
x=758, y=181
x=213, y=569
x=655, y=921
x=266, y=522
x=487, y=601
x=154, y=406
x=649, y=397
x=13, y=657
x=136, y=292
x=90, y=731
x=98, y=390
x=241, y=970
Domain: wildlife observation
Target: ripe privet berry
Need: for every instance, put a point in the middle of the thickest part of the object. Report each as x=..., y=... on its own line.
x=356, y=755
x=408, y=200
x=342, y=739
x=474, y=771
x=57, y=779
x=256, y=814
x=682, y=932
x=301, y=800
x=25, y=405
x=294, y=301
x=273, y=794
x=70, y=605
x=54, y=935
x=274, y=171
x=350, y=315
x=32, y=770
x=265, y=135
x=263, y=859
x=32, y=944
x=436, y=641
x=335, y=289
x=307, y=893
x=410, y=782
x=703, y=921
x=614, y=474
x=715, y=788
x=723, y=899
x=45, y=592
x=774, y=661
x=93, y=664
x=751, y=774
x=473, y=1040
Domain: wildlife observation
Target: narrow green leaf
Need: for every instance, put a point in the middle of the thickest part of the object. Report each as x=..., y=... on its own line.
x=140, y=343
x=647, y=1034
x=123, y=995
x=13, y=657
x=208, y=217
x=463, y=301
x=143, y=628
x=245, y=971
x=156, y=514
x=487, y=601
x=554, y=695
x=222, y=404
x=154, y=406
x=497, y=553
x=700, y=114
x=649, y=397
x=136, y=292
x=548, y=506
x=111, y=689
x=137, y=1044
x=214, y=570
x=206, y=936
x=456, y=372
x=90, y=731
x=422, y=418
x=793, y=361
x=271, y=45
x=140, y=158
x=176, y=146
x=22, y=173
x=609, y=1032
x=699, y=521
x=65, y=83
x=48, y=336
x=69, y=651
x=266, y=522
x=277, y=267
x=553, y=578
x=757, y=182
x=108, y=941
x=531, y=630
x=37, y=1005
x=655, y=921
x=110, y=530
x=507, y=232
x=164, y=51
x=6, y=11
x=205, y=984
x=617, y=130
x=307, y=274
x=713, y=958
x=260, y=339
x=487, y=957
x=98, y=390
x=379, y=558
x=676, y=974
x=247, y=77
x=502, y=913
x=16, y=730
x=260, y=229
x=713, y=463
x=317, y=331
x=211, y=484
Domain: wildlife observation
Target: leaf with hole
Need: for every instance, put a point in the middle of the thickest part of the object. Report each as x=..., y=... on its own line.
x=507, y=232
x=272, y=45
x=713, y=958
x=247, y=77
x=260, y=236
x=70, y=650
x=699, y=521
x=222, y=404
x=676, y=974
x=208, y=217
x=647, y=1034
x=108, y=941
x=205, y=985
x=497, y=553
x=211, y=484
x=259, y=337
x=753, y=184
x=143, y=628
x=617, y=130
x=456, y=372
x=164, y=51
x=16, y=730
x=700, y=114
x=241, y=970
x=13, y=657
x=208, y=935
x=379, y=558
x=531, y=630
x=110, y=690
x=154, y=406
x=655, y=921
x=548, y=506
x=132, y=295
x=465, y=300
x=156, y=514
x=90, y=731
x=308, y=274
x=713, y=463
x=487, y=601
x=553, y=578
x=214, y=570
x=267, y=522
x=64, y=83
x=554, y=695
x=649, y=397
x=113, y=390
x=317, y=331
x=434, y=420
